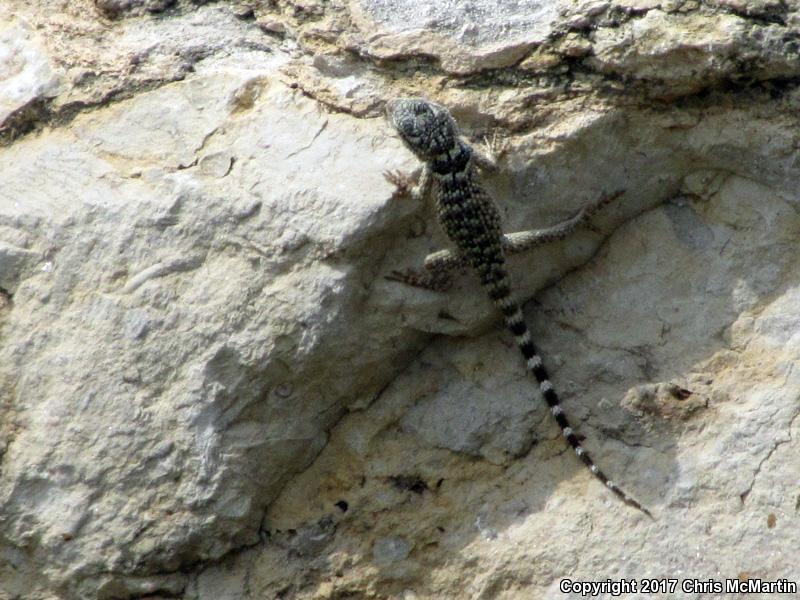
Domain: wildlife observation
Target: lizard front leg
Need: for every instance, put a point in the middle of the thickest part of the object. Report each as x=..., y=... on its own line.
x=487, y=157
x=437, y=276
x=405, y=186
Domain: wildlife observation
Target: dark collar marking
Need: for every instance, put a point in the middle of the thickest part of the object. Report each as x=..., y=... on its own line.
x=447, y=165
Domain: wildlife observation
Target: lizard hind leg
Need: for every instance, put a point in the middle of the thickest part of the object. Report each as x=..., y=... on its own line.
x=435, y=281
x=438, y=275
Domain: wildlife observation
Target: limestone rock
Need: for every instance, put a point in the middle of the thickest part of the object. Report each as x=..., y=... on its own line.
x=158, y=318
x=208, y=389
x=27, y=74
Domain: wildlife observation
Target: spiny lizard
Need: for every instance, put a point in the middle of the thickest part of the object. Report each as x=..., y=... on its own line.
x=471, y=220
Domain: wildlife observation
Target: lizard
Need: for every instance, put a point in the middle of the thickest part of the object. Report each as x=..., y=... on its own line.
x=470, y=219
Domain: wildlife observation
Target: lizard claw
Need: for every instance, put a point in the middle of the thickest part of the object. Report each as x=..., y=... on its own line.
x=428, y=281
x=594, y=228
x=589, y=211
x=403, y=182
x=493, y=151
x=496, y=148
x=408, y=276
x=607, y=199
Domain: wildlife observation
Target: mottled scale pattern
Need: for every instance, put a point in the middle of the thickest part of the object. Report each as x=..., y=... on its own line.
x=471, y=220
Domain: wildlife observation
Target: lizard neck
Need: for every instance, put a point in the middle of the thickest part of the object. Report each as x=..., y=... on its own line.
x=454, y=160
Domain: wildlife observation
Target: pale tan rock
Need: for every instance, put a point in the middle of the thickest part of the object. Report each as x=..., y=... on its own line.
x=208, y=390
x=131, y=394
x=685, y=50
x=463, y=37
x=27, y=75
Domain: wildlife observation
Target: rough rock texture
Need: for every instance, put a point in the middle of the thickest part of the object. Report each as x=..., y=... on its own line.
x=209, y=391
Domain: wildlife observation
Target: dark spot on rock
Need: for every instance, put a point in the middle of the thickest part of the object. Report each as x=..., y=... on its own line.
x=679, y=392
x=411, y=483
x=771, y=520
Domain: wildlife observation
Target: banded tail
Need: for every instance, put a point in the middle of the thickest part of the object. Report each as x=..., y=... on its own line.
x=501, y=296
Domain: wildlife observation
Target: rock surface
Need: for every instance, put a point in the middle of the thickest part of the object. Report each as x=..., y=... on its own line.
x=208, y=390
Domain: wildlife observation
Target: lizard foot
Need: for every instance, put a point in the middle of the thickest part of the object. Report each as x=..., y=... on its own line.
x=402, y=182
x=606, y=199
x=590, y=210
x=495, y=147
x=488, y=157
x=436, y=282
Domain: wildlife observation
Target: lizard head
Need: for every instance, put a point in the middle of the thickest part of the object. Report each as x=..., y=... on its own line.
x=425, y=127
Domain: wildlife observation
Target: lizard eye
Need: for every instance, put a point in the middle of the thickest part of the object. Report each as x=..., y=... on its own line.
x=409, y=127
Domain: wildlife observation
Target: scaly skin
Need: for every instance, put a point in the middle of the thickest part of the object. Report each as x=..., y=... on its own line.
x=471, y=220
